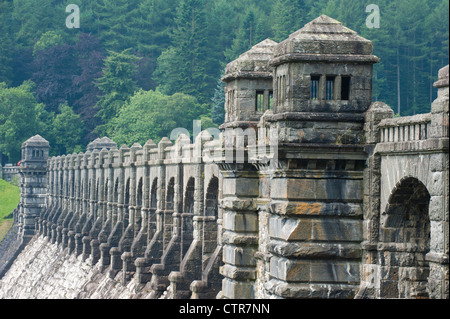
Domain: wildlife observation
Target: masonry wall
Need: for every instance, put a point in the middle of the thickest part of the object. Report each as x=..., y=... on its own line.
x=352, y=203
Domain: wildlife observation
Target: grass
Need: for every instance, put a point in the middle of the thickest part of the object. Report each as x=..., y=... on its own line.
x=9, y=199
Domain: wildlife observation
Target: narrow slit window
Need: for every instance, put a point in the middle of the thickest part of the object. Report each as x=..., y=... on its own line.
x=345, y=88
x=315, y=87
x=329, y=87
x=270, y=100
x=259, y=101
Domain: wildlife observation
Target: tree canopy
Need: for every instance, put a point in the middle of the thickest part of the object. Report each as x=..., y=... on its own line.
x=127, y=51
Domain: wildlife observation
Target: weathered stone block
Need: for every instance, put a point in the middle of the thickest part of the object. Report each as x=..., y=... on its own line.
x=290, y=228
x=239, y=256
x=240, y=222
x=336, y=230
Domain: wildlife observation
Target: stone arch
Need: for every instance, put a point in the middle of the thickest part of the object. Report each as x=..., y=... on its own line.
x=153, y=207
x=61, y=182
x=97, y=190
x=139, y=203
x=106, y=187
x=405, y=240
x=97, y=198
x=115, y=199
x=170, y=196
x=66, y=186
x=139, y=193
x=72, y=190
x=212, y=198
x=126, y=203
x=116, y=192
x=186, y=219
x=153, y=194
x=189, y=196
x=81, y=193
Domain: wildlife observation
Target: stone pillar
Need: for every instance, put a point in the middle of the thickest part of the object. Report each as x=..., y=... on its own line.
x=371, y=200
x=438, y=257
x=240, y=230
x=33, y=186
x=315, y=195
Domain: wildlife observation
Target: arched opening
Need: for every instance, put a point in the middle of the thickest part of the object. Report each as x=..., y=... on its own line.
x=170, y=194
x=139, y=194
x=116, y=191
x=187, y=229
x=139, y=199
x=210, y=225
x=105, y=198
x=97, y=197
x=116, y=201
x=61, y=183
x=189, y=197
x=211, y=200
x=405, y=234
x=126, y=211
x=152, y=212
x=72, y=190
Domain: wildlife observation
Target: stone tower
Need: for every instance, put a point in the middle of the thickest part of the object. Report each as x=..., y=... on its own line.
x=322, y=77
x=248, y=95
x=33, y=185
x=248, y=91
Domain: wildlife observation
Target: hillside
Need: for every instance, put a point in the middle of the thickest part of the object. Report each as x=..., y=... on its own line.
x=9, y=198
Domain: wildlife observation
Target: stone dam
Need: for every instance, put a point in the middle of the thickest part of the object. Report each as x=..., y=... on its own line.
x=308, y=190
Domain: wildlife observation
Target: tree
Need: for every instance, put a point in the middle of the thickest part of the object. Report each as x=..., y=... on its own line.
x=116, y=84
x=113, y=19
x=188, y=65
x=90, y=55
x=152, y=114
x=48, y=39
x=68, y=131
x=252, y=30
x=19, y=122
x=53, y=72
x=33, y=18
x=288, y=16
x=6, y=42
x=218, y=103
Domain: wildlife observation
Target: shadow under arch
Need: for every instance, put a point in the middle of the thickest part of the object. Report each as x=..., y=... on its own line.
x=405, y=240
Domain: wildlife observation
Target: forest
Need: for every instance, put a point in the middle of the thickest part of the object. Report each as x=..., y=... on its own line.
x=136, y=69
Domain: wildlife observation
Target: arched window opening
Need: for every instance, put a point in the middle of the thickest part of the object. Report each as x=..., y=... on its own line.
x=170, y=194
x=211, y=203
x=405, y=232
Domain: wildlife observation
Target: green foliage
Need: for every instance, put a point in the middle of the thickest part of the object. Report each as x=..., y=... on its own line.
x=113, y=20
x=252, y=30
x=152, y=114
x=67, y=131
x=9, y=199
x=116, y=84
x=190, y=53
x=48, y=39
x=183, y=45
x=6, y=41
x=16, y=122
x=287, y=17
x=218, y=103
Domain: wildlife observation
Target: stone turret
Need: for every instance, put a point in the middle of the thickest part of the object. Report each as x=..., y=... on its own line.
x=322, y=88
x=101, y=143
x=33, y=186
x=248, y=92
x=323, y=67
